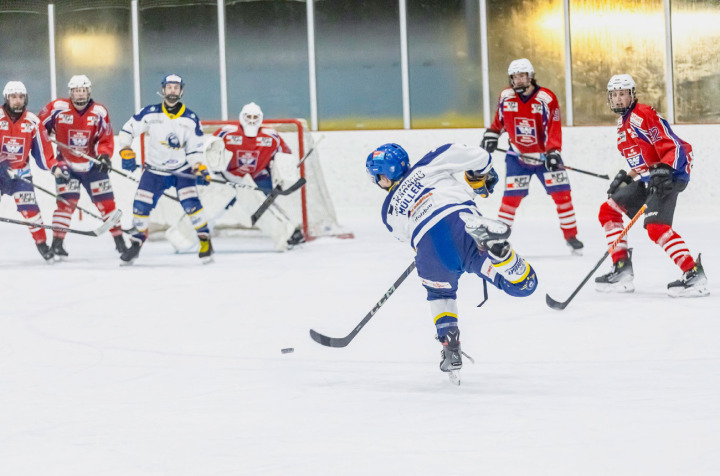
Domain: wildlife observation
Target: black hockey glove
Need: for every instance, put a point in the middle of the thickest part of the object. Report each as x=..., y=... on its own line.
x=553, y=161
x=621, y=178
x=490, y=141
x=661, y=180
x=104, y=164
x=61, y=172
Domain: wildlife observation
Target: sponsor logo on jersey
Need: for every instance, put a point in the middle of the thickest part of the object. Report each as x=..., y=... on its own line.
x=536, y=108
x=26, y=128
x=100, y=187
x=265, y=142
x=92, y=121
x=13, y=146
x=172, y=141
x=510, y=106
x=65, y=119
x=525, y=131
x=634, y=158
x=78, y=140
x=555, y=178
x=636, y=120
x=234, y=140
x=436, y=284
x=73, y=186
x=4, y=125
x=246, y=160
x=24, y=198
x=517, y=182
x=422, y=208
x=622, y=137
x=556, y=115
x=408, y=192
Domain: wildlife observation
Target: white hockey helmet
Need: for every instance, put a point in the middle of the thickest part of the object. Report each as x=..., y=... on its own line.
x=522, y=65
x=251, y=117
x=621, y=82
x=15, y=87
x=80, y=81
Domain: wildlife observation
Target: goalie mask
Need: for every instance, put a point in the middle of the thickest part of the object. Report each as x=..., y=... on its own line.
x=389, y=160
x=519, y=66
x=251, y=117
x=15, y=87
x=176, y=93
x=79, y=89
x=621, y=102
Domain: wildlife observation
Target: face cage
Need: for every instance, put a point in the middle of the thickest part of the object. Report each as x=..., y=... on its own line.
x=531, y=76
x=175, y=97
x=89, y=95
x=621, y=110
x=25, y=103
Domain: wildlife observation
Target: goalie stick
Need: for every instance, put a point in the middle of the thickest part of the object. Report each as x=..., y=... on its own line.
x=562, y=305
x=344, y=341
x=539, y=162
x=107, y=224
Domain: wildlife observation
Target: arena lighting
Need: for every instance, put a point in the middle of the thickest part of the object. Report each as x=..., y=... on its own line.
x=613, y=18
x=92, y=49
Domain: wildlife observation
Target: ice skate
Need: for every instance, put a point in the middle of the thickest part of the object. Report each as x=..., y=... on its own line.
x=619, y=279
x=120, y=245
x=485, y=231
x=45, y=252
x=59, y=252
x=130, y=254
x=206, y=250
x=451, y=355
x=692, y=284
x=576, y=246
x=296, y=238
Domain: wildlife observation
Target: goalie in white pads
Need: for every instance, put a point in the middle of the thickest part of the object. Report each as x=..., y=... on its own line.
x=252, y=155
x=427, y=206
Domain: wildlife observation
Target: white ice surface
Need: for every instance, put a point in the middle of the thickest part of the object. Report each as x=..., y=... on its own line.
x=173, y=368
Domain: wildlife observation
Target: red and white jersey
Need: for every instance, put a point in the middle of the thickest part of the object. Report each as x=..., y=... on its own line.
x=21, y=138
x=251, y=155
x=88, y=132
x=533, y=123
x=644, y=138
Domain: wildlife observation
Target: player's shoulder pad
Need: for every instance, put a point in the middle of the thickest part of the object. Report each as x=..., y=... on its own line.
x=59, y=104
x=100, y=110
x=151, y=109
x=270, y=131
x=545, y=95
x=432, y=155
x=224, y=130
x=507, y=93
x=190, y=114
x=32, y=117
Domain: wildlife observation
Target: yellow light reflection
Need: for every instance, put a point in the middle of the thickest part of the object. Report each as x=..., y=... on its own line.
x=92, y=50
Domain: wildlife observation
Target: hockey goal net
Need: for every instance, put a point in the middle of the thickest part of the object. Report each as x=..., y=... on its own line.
x=311, y=205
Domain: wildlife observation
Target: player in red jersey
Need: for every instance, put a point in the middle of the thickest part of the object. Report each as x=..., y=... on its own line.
x=660, y=164
x=83, y=125
x=257, y=155
x=530, y=114
x=21, y=135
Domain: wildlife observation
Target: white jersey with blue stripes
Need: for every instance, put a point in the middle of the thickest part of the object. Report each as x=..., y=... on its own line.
x=173, y=140
x=429, y=191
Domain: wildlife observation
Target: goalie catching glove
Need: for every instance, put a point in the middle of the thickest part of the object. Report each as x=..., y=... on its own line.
x=482, y=184
x=128, y=159
x=201, y=171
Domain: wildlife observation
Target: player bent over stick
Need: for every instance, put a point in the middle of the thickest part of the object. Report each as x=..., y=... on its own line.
x=174, y=144
x=663, y=162
x=427, y=206
x=255, y=157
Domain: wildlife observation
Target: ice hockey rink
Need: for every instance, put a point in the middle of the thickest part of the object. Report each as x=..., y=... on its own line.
x=170, y=367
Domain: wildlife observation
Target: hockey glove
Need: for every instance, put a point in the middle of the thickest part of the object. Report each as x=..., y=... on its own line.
x=490, y=141
x=483, y=185
x=553, y=161
x=128, y=159
x=661, y=180
x=201, y=171
x=104, y=164
x=621, y=178
x=61, y=172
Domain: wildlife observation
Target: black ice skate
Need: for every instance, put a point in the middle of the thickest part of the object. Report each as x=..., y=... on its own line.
x=576, y=246
x=58, y=249
x=692, y=284
x=619, y=280
x=451, y=355
x=130, y=254
x=296, y=238
x=485, y=231
x=120, y=245
x=45, y=252
x=206, y=249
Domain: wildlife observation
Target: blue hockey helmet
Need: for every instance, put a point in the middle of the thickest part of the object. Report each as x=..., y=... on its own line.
x=389, y=160
x=173, y=78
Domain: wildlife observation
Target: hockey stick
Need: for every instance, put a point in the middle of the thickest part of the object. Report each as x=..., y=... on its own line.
x=562, y=305
x=344, y=341
x=95, y=161
x=107, y=224
x=541, y=162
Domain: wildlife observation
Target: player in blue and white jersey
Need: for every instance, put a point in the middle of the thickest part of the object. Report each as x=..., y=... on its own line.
x=434, y=211
x=174, y=143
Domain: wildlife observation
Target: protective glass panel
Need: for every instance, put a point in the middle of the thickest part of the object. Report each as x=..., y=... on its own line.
x=444, y=63
x=532, y=29
x=25, y=50
x=267, y=57
x=357, y=50
x=696, y=60
x=182, y=38
x=96, y=40
x=611, y=37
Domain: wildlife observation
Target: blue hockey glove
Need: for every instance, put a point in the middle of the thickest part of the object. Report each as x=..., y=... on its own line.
x=661, y=180
x=553, y=162
x=61, y=172
x=203, y=176
x=128, y=159
x=483, y=185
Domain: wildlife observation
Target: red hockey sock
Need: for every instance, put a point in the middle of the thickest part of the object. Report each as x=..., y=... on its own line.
x=63, y=216
x=37, y=233
x=672, y=243
x=106, y=207
x=566, y=213
x=509, y=205
x=610, y=217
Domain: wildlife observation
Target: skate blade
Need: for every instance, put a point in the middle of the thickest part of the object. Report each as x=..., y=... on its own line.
x=207, y=260
x=690, y=293
x=575, y=252
x=127, y=263
x=615, y=288
x=454, y=376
